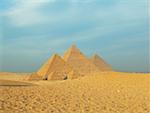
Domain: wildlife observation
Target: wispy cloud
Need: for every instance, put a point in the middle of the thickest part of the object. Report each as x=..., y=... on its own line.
x=29, y=12
x=30, y=43
x=26, y=12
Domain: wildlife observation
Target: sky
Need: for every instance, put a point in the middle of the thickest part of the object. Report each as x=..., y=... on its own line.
x=32, y=30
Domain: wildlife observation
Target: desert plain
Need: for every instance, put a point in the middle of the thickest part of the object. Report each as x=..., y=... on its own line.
x=106, y=92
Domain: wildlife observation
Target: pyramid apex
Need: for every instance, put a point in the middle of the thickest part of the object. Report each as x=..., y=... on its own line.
x=96, y=56
x=73, y=46
x=73, y=51
x=55, y=56
x=100, y=63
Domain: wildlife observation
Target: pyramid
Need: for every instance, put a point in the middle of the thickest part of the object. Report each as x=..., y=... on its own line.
x=100, y=63
x=73, y=74
x=73, y=65
x=78, y=62
x=55, y=69
x=34, y=76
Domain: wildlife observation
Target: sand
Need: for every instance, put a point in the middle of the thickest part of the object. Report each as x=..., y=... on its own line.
x=111, y=92
x=13, y=76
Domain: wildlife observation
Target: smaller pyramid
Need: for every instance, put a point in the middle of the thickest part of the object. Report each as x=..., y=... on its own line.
x=55, y=69
x=100, y=63
x=45, y=67
x=34, y=76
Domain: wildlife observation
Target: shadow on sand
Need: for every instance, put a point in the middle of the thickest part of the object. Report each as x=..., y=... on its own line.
x=10, y=83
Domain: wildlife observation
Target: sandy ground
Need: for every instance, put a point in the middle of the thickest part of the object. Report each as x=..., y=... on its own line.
x=103, y=93
x=13, y=76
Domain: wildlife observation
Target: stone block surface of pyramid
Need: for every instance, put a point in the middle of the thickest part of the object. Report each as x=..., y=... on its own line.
x=55, y=69
x=79, y=62
x=34, y=76
x=100, y=63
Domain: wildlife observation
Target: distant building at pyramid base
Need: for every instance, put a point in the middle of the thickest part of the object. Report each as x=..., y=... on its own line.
x=74, y=64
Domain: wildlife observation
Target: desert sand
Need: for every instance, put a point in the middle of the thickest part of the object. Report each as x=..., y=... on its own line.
x=107, y=92
x=13, y=76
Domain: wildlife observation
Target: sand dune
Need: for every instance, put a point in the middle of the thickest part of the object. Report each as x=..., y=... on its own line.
x=111, y=92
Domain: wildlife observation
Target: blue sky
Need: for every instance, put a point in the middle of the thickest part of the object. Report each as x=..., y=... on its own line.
x=32, y=30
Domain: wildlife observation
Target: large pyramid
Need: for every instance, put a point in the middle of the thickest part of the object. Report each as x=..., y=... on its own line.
x=100, y=63
x=54, y=69
x=79, y=62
